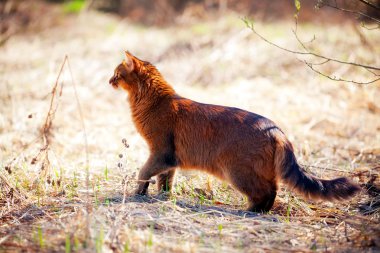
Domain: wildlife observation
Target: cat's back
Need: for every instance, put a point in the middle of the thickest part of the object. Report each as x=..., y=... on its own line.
x=208, y=120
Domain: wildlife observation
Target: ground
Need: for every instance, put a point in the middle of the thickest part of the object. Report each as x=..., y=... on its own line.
x=69, y=202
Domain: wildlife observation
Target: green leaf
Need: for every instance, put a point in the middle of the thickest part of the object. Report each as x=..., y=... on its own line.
x=220, y=228
x=297, y=3
x=74, y=6
x=67, y=244
x=126, y=248
x=248, y=22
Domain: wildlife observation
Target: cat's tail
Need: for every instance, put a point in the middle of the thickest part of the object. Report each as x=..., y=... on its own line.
x=288, y=170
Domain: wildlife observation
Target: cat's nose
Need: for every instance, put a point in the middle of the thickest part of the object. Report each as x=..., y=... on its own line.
x=112, y=80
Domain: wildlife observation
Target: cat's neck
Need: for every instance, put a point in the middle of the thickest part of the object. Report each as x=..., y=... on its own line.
x=150, y=92
x=149, y=99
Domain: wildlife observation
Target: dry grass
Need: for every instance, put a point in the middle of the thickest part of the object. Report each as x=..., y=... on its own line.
x=335, y=127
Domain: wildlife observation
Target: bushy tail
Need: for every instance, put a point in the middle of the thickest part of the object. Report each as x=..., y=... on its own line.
x=291, y=174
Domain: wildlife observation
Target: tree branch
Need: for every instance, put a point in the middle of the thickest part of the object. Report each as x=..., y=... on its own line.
x=350, y=11
x=334, y=78
x=338, y=79
x=250, y=26
x=370, y=28
x=370, y=4
x=326, y=59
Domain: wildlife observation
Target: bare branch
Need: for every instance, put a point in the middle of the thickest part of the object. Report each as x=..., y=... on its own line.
x=323, y=168
x=334, y=78
x=88, y=202
x=46, y=128
x=370, y=4
x=351, y=11
x=338, y=79
x=372, y=72
x=370, y=28
x=50, y=115
x=312, y=53
x=321, y=63
x=80, y=113
x=326, y=59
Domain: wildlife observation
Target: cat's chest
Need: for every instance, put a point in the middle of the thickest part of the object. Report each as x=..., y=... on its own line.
x=151, y=126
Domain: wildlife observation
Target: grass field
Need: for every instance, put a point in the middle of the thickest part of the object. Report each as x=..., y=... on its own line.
x=63, y=201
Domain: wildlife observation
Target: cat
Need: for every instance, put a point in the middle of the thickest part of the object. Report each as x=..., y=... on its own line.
x=245, y=149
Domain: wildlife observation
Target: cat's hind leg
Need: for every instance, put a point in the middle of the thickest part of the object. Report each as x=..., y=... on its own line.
x=262, y=201
x=261, y=192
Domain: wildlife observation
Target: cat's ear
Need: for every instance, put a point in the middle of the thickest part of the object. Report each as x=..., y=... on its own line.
x=128, y=62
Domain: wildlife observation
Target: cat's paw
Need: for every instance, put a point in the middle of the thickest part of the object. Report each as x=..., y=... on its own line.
x=142, y=191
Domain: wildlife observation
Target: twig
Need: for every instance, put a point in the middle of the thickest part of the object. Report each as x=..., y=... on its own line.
x=370, y=28
x=20, y=194
x=46, y=128
x=336, y=7
x=338, y=79
x=23, y=148
x=324, y=168
x=152, y=181
x=307, y=52
x=82, y=122
x=124, y=192
x=86, y=149
x=372, y=72
x=50, y=115
x=250, y=26
x=311, y=65
x=370, y=4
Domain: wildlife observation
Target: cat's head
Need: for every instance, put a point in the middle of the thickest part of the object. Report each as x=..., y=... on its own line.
x=126, y=74
x=139, y=78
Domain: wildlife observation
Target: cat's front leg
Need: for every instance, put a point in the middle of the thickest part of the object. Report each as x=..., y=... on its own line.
x=155, y=165
x=165, y=181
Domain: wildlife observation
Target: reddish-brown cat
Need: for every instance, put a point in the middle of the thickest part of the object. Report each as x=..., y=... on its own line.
x=245, y=149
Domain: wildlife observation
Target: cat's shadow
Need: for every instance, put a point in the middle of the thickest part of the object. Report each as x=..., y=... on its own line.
x=195, y=208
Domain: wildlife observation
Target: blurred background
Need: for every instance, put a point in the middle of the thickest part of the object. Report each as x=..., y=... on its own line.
x=167, y=12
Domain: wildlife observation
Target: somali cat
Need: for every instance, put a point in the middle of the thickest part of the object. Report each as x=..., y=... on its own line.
x=245, y=149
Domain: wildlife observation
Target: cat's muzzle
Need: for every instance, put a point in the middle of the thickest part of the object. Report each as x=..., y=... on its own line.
x=113, y=81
